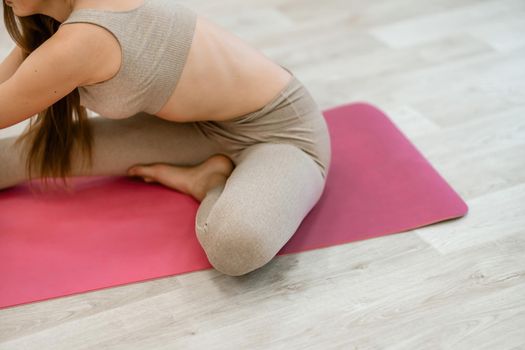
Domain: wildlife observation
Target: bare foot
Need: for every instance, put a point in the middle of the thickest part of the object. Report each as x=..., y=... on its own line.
x=195, y=180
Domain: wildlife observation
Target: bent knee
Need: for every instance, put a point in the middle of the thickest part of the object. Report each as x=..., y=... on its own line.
x=238, y=251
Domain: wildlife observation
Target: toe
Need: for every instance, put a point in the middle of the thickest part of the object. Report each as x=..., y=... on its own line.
x=148, y=173
x=142, y=170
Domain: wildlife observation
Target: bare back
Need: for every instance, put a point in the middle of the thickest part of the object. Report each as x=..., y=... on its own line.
x=223, y=78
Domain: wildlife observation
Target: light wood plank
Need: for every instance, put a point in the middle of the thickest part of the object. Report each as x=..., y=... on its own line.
x=450, y=75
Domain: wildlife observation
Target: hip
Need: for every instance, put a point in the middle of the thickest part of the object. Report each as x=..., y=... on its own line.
x=292, y=116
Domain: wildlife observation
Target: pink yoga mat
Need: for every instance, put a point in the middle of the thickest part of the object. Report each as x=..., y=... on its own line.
x=114, y=230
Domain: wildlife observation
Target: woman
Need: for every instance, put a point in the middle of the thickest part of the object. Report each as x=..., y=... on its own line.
x=182, y=102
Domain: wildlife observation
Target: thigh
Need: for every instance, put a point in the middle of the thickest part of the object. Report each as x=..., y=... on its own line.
x=244, y=223
x=119, y=144
x=144, y=139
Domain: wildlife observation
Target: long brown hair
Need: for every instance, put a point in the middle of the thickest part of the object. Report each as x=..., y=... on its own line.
x=50, y=140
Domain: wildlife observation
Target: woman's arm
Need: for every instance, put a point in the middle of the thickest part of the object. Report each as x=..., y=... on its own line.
x=65, y=61
x=11, y=63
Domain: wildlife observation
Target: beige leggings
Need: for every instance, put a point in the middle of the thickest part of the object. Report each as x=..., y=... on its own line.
x=281, y=154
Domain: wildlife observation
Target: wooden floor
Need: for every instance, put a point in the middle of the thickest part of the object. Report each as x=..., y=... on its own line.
x=451, y=75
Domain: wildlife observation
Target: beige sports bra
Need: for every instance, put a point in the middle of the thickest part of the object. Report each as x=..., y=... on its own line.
x=155, y=39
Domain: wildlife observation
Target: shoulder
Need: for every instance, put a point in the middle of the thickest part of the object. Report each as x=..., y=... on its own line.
x=90, y=44
x=90, y=33
x=66, y=60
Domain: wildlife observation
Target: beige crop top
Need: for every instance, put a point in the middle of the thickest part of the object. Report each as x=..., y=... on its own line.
x=155, y=39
